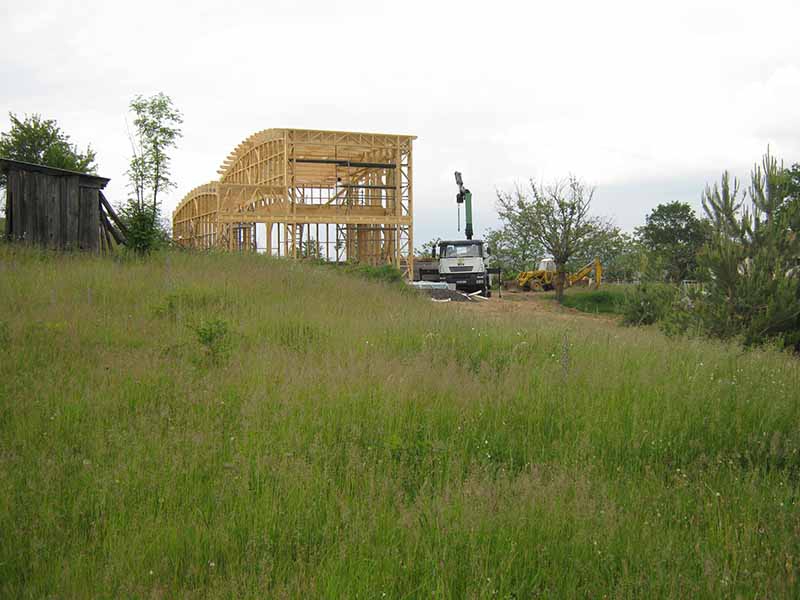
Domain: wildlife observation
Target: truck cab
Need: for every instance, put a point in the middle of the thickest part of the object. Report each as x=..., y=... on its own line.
x=461, y=262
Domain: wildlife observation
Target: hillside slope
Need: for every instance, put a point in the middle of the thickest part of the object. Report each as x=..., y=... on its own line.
x=217, y=426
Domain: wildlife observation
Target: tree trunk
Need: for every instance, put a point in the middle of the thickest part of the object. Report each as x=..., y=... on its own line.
x=560, y=280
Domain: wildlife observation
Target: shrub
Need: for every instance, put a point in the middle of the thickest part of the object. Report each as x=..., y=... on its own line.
x=596, y=301
x=214, y=336
x=143, y=228
x=387, y=273
x=647, y=303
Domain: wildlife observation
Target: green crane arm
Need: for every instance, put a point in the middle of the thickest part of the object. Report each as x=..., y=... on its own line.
x=465, y=196
x=468, y=214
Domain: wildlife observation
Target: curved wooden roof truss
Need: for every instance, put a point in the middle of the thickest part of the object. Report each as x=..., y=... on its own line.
x=323, y=194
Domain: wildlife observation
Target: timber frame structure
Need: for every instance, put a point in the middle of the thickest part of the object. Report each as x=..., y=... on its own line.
x=331, y=195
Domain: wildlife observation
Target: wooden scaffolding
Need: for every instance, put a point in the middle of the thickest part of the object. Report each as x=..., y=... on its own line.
x=331, y=195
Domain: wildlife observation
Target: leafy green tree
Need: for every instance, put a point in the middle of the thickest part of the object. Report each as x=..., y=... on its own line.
x=552, y=219
x=41, y=141
x=156, y=131
x=675, y=235
x=618, y=251
x=426, y=251
x=515, y=244
x=508, y=253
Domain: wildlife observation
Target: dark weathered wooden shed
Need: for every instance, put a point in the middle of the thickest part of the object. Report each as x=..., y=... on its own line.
x=58, y=209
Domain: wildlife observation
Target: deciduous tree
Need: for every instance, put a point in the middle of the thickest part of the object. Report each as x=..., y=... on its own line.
x=426, y=251
x=552, y=218
x=675, y=235
x=619, y=253
x=156, y=131
x=41, y=141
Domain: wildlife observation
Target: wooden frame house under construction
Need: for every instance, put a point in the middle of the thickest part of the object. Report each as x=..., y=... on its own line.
x=304, y=193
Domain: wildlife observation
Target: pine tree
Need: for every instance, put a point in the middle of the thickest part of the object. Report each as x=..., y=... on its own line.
x=751, y=262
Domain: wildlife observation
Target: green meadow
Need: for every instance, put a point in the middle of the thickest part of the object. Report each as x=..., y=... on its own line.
x=220, y=426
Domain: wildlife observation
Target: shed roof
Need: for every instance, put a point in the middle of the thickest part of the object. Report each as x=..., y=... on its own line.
x=92, y=180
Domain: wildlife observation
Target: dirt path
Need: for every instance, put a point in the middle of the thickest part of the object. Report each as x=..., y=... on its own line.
x=529, y=304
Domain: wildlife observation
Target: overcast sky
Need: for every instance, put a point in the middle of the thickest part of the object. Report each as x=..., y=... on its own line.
x=645, y=100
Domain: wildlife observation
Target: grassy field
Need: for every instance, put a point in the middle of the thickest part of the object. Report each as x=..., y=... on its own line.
x=230, y=426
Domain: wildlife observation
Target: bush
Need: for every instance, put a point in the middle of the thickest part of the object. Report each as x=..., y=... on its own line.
x=387, y=273
x=214, y=336
x=144, y=230
x=648, y=303
x=607, y=301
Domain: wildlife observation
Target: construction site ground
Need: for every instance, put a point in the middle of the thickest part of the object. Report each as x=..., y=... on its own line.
x=523, y=305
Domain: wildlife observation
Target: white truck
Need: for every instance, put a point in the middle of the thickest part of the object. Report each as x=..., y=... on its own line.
x=461, y=262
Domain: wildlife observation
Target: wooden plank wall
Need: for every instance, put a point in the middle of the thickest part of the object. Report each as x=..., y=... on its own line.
x=58, y=212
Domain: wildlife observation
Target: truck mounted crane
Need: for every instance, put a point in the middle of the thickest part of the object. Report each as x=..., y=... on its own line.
x=461, y=262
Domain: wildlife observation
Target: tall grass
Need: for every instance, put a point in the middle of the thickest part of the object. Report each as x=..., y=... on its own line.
x=610, y=299
x=357, y=441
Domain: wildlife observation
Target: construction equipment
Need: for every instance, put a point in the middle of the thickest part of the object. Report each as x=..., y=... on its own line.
x=464, y=197
x=461, y=261
x=544, y=278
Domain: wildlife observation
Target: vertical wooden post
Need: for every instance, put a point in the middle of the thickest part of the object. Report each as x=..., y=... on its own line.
x=410, y=212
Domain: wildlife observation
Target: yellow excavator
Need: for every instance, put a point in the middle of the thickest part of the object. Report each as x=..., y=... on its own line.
x=544, y=277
